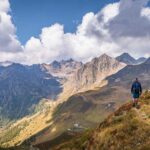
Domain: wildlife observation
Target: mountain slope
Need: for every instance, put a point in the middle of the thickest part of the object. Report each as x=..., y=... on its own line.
x=127, y=128
x=127, y=59
x=22, y=87
x=129, y=73
x=25, y=128
x=141, y=60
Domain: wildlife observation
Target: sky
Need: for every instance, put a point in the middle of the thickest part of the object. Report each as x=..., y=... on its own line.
x=41, y=13
x=40, y=31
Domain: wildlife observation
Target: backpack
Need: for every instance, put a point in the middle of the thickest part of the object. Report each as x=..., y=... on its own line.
x=136, y=88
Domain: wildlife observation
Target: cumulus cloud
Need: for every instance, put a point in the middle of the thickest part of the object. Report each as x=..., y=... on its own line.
x=90, y=40
x=8, y=38
x=129, y=22
x=131, y=27
x=4, y=6
x=118, y=27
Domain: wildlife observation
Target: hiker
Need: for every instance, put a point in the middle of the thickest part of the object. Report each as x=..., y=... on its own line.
x=136, y=91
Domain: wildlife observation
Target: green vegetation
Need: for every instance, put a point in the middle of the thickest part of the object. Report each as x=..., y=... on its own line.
x=77, y=143
x=11, y=133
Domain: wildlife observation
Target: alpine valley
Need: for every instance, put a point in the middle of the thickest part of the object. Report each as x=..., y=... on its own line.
x=43, y=106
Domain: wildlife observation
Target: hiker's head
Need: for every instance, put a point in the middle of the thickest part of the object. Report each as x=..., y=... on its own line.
x=136, y=80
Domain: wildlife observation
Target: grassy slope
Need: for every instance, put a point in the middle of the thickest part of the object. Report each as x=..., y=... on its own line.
x=25, y=128
x=88, y=109
x=128, y=128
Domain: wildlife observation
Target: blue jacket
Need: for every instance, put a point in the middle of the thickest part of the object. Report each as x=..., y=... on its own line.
x=136, y=87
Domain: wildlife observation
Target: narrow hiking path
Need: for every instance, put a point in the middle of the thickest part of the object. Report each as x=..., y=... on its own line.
x=144, y=113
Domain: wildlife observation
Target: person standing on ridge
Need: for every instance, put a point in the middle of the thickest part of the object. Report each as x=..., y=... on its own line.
x=136, y=91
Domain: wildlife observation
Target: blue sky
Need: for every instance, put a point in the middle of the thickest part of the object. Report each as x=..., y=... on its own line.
x=30, y=16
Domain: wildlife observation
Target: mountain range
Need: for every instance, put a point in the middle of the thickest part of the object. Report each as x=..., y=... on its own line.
x=129, y=60
x=63, y=94
x=90, y=107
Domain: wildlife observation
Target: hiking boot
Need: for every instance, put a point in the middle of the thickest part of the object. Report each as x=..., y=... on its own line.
x=137, y=106
x=133, y=104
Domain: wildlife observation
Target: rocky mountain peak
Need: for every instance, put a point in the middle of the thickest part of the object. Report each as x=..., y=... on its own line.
x=55, y=64
x=141, y=60
x=96, y=70
x=126, y=55
x=104, y=58
x=127, y=59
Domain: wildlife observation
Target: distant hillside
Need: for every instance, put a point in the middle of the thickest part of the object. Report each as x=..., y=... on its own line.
x=127, y=128
x=22, y=87
x=141, y=60
x=129, y=60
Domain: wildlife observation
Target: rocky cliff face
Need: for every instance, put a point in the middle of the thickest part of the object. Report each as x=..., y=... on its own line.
x=62, y=69
x=95, y=71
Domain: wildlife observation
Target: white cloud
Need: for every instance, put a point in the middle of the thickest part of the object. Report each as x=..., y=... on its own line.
x=146, y=12
x=109, y=12
x=129, y=22
x=4, y=6
x=118, y=27
x=90, y=40
x=8, y=39
x=130, y=29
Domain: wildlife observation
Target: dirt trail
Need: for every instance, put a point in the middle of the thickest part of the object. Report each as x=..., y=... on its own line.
x=145, y=117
